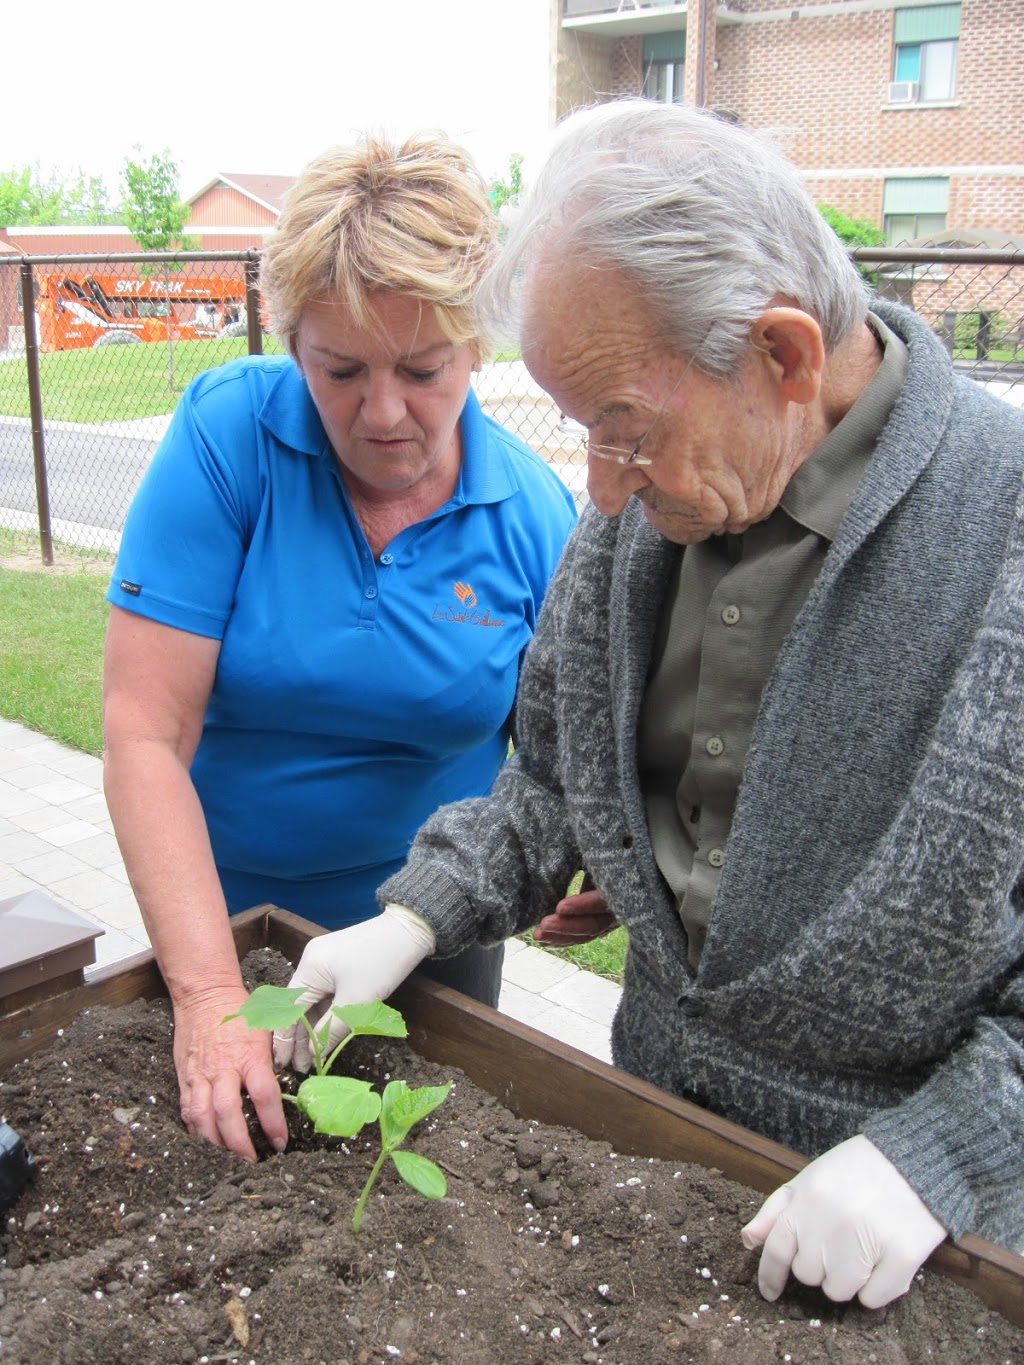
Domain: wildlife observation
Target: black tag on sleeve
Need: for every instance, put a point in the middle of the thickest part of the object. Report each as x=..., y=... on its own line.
x=133, y=588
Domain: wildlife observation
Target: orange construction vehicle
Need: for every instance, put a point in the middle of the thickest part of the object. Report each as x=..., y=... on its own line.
x=96, y=310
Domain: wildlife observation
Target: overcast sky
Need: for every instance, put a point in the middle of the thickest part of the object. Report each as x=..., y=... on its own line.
x=260, y=87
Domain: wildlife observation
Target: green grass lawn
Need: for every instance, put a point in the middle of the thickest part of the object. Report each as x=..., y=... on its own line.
x=51, y=647
x=115, y=383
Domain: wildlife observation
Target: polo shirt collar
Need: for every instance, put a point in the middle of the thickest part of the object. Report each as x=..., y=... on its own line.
x=290, y=415
x=486, y=475
x=819, y=493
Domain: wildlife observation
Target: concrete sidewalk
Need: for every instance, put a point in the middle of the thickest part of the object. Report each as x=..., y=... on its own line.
x=56, y=836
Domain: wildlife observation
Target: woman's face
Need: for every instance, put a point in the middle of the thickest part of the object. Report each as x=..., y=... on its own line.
x=390, y=407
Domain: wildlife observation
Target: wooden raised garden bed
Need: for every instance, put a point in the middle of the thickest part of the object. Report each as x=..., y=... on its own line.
x=530, y=1073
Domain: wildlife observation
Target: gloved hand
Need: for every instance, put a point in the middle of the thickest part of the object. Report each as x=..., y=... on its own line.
x=848, y=1222
x=352, y=967
x=577, y=919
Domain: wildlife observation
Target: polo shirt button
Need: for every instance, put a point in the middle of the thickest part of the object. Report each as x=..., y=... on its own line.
x=730, y=615
x=691, y=1007
x=716, y=857
x=387, y=558
x=371, y=593
x=715, y=745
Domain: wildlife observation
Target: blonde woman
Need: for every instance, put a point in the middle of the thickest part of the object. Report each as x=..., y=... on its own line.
x=325, y=586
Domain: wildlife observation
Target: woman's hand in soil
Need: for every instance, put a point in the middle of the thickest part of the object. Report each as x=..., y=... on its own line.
x=577, y=919
x=351, y=967
x=848, y=1222
x=215, y=1064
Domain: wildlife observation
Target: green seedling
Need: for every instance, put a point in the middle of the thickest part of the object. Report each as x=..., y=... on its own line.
x=341, y=1106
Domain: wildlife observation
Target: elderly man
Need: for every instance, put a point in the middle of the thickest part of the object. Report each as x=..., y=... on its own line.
x=775, y=704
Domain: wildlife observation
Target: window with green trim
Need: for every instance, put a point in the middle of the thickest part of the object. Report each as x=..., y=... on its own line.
x=925, y=39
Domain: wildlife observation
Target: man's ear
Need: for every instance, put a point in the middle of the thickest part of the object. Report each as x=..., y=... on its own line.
x=792, y=341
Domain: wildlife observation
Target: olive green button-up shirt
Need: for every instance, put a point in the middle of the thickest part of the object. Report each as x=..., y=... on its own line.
x=733, y=602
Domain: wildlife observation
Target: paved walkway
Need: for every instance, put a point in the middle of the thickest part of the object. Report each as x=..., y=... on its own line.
x=56, y=836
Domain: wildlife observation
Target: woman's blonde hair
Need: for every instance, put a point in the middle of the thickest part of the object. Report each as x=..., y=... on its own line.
x=412, y=219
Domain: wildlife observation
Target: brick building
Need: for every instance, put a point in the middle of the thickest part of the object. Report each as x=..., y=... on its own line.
x=903, y=112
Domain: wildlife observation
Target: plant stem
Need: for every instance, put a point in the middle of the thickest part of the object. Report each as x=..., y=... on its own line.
x=334, y=1055
x=318, y=1056
x=357, y=1217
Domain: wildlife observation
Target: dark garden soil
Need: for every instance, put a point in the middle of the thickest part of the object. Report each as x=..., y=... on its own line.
x=138, y=1244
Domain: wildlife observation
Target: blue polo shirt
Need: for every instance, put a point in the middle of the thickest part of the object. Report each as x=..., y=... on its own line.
x=352, y=697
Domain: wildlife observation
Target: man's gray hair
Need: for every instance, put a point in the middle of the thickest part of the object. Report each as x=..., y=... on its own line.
x=706, y=218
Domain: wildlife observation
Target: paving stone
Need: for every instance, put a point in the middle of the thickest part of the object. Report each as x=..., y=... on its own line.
x=14, y=848
x=588, y=994
x=537, y=970
x=73, y=832
x=85, y=890
x=52, y=866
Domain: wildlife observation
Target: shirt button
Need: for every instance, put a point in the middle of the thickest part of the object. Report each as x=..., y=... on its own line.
x=716, y=857
x=693, y=1008
x=730, y=615
x=715, y=745
x=387, y=558
x=371, y=593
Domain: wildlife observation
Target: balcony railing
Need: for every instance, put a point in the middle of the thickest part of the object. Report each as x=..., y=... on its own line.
x=575, y=8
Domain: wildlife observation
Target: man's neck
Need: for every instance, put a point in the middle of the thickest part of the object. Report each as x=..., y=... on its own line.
x=848, y=372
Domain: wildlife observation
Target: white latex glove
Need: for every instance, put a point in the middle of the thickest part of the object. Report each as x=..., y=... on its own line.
x=848, y=1222
x=352, y=967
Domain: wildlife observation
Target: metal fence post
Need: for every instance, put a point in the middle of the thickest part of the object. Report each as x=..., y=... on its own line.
x=984, y=334
x=35, y=407
x=253, y=322
x=948, y=330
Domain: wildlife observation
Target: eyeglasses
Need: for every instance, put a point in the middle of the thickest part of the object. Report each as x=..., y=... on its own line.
x=631, y=455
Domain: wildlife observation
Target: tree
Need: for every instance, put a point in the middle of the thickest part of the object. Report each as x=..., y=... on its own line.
x=853, y=232
x=504, y=192
x=156, y=216
x=30, y=196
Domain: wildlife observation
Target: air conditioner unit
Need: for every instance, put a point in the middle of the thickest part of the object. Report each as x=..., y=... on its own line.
x=904, y=92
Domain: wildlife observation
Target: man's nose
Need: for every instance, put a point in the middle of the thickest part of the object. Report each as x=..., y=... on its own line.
x=610, y=485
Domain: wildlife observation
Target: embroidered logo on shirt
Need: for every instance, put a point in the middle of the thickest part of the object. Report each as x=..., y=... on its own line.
x=133, y=588
x=468, y=616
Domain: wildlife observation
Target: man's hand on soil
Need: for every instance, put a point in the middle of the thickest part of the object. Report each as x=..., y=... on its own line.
x=215, y=1063
x=848, y=1222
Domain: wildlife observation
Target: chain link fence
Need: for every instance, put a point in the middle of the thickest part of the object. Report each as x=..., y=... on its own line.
x=91, y=371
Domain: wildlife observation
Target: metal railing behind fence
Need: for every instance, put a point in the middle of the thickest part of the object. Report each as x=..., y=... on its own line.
x=91, y=371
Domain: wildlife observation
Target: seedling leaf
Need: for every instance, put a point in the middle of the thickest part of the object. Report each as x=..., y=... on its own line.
x=421, y=1173
x=401, y=1108
x=374, y=1018
x=271, y=1007
x=338, y=1105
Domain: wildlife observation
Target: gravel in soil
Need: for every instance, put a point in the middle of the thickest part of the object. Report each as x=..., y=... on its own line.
x=136, y=1243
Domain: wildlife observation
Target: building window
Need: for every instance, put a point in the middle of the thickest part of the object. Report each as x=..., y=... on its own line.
x=665, y=67
x=926, y=39
x=914, y=207
x=664, y=81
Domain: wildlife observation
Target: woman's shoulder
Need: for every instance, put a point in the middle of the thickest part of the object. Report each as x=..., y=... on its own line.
x=247, y=382
x=527, y=470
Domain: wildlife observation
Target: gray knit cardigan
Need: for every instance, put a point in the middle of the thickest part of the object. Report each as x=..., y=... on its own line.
x=864, y=970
